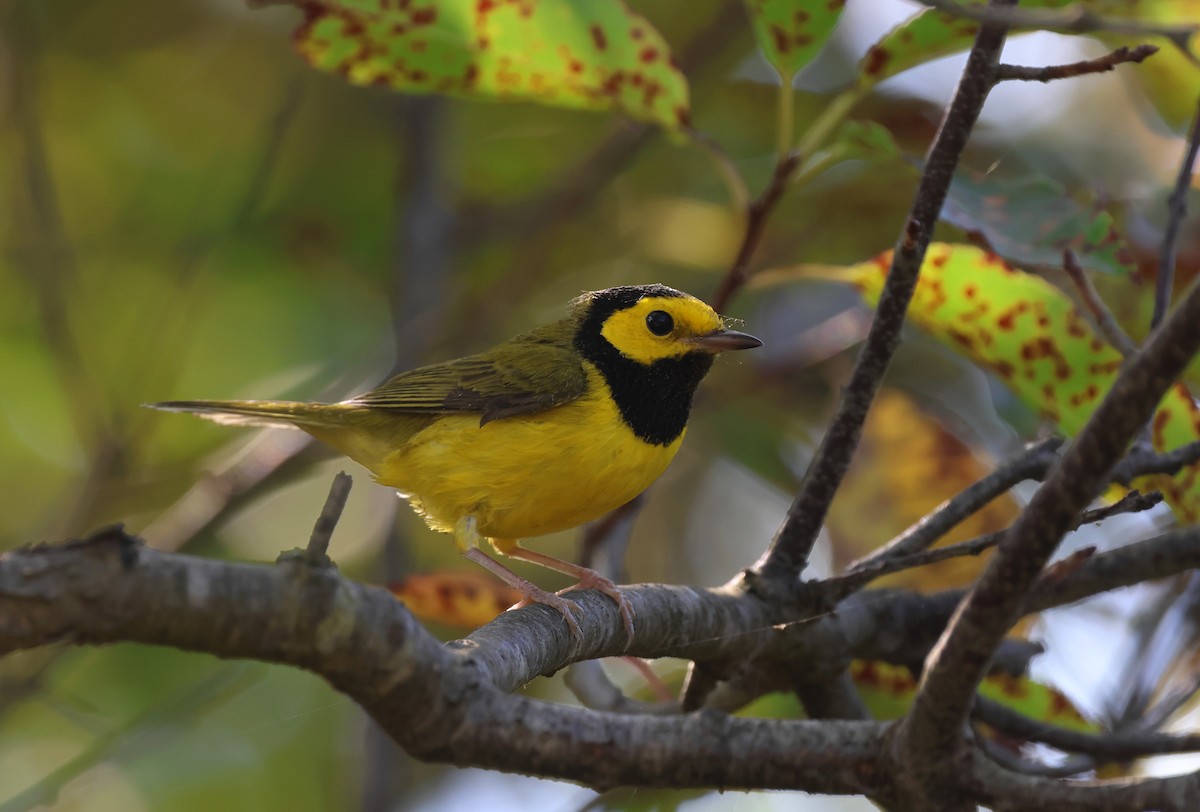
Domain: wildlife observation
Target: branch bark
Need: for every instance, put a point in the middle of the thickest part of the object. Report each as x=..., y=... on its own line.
x=451, y=703
x=788, y=553
x=931, y=740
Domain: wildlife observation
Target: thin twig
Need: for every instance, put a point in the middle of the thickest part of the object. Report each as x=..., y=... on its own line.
x=841, y=586
x=1105, y=322
x=789, y=550
x=1158, y=557
x=1143, y=463
x=932, y=731
x=756, y=220
x=1113, y=746
x=1032, y=463
x=1099, y=65
x=317, y=551
x=1177, y=208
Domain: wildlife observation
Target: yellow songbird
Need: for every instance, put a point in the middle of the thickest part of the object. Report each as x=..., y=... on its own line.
x=544, y=432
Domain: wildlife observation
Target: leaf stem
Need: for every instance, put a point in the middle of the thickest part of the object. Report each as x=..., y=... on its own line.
x=786, y=110
x=834, y=114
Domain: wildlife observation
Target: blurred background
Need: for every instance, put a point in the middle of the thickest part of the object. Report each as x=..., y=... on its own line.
x=190, y=211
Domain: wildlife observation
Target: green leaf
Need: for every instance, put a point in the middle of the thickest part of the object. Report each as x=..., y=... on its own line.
x=926, y=35
x=865, y=141
x=589, y=54
x=792, y=32
x=1030, y=220
x=1031, y=335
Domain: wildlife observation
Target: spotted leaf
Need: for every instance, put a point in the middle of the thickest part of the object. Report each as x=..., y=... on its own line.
x=926, y=35
x=888, y=691
x=791, y=32
x=590, y=54
x=1031, y=335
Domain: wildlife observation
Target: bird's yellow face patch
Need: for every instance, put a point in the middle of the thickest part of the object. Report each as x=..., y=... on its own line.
x=658, y=327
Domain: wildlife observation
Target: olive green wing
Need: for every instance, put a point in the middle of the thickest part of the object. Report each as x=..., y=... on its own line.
x=528, y=374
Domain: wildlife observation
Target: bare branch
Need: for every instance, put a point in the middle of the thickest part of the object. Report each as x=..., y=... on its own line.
x=442, y=702
x=1011, y=790
x=1101, y=64
x=438, y=702
x=1032, y=463
x=756, y=220
x=1114, y=746
x=788, y=554
x=1143, y=463
x=933, y=733
x=840, y=586
x=1177, y=208
x=317, y=551
x=1158, y=557
x=1105, y=321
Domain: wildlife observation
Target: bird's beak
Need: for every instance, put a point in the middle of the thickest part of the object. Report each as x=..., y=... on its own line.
x=722, y=340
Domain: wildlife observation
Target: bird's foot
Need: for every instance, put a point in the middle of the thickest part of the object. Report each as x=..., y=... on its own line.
x=535, y=594
x=590, y=579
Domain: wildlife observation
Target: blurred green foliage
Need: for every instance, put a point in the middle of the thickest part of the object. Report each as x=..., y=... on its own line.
x=191, y=211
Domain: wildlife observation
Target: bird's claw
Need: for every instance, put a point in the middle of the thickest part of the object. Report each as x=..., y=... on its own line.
x=565, y=607
x=590, y=579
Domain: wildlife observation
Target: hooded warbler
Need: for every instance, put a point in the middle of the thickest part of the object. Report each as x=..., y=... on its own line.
x=542, y=433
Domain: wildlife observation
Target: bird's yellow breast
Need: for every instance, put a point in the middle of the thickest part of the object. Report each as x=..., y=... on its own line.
x=529, y=475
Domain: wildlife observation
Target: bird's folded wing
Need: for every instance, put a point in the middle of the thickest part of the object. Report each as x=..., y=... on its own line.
x=523, y=376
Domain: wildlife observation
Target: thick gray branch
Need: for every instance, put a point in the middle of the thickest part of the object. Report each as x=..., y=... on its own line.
x=444, y=702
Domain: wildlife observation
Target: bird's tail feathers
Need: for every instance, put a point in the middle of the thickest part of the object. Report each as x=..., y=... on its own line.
x=274, y=413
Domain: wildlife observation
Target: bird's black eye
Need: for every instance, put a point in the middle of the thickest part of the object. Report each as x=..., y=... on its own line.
x=660, y=322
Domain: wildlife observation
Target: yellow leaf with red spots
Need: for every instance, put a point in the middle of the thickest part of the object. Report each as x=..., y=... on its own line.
x=925, y=36
x=1035, y=701
x=1031, y=335
x=888, y=691
x=466, y=600
x=590, y=54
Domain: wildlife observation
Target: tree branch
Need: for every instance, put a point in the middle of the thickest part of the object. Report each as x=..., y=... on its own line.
x=1051, y=72
x=931, y=736
x=1105, y=321
x=317, y=551
x=1032, y=463
x=1113, y=746
x=839, y=586
x=449, y=703
x=443, y=703
x=756, y=221
x=788, y=553
x=1177, y=211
